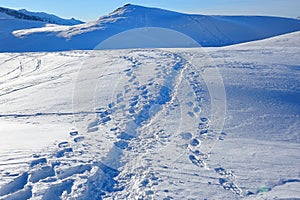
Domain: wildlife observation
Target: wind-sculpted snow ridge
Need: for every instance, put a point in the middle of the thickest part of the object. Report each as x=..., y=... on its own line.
x=208, y=31
x=139, y=124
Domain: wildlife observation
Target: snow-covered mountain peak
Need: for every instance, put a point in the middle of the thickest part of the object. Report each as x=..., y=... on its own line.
x=122, y=10
x=131, y=10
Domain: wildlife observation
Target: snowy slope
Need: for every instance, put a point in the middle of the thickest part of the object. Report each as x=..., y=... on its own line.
x=38, y=16
x=9, y=24
x=12, y=20
x=293, y=40
x=206, y=30
x=52, y=19
x=148, y=123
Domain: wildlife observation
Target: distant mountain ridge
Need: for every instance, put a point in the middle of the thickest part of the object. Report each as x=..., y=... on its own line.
x=208, y=31
x=39, y=16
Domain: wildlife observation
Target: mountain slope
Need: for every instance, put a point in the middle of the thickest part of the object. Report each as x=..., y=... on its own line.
x=290, y=40
x=51, y=18
x=206, y=30
x=12, y=20
x=39, y=16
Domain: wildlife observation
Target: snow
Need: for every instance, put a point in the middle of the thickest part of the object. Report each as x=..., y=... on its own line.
x=46, y=134
x=281, y=41
x=147, y=38
x=5, y=16
x=7, y=13
x=208, y=31
x=194, y=123
x=51, y=18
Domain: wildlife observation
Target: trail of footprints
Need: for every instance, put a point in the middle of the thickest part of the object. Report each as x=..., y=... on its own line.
x=196, y=157
x=141, y=107
x=56, y=176
x=227, y=179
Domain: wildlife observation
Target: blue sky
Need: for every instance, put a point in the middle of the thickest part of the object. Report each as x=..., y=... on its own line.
x=92, y=9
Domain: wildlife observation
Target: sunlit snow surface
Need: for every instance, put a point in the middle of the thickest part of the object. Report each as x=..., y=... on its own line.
x=138, y=124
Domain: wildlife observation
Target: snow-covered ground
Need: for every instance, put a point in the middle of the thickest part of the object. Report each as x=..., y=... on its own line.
x=148, y=123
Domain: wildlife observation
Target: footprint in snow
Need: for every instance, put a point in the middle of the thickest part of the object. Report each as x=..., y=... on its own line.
x=79, y=139
x=197, y=161
x=230, y=185
x=63, y=152
x=194, y=142
x=73, y=133
x=227, y=181
x=63, y=144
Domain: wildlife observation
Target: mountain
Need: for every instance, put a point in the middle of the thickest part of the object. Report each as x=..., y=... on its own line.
x=207, y=31
x=38, y=16
x=196, y=123
x=51, y=18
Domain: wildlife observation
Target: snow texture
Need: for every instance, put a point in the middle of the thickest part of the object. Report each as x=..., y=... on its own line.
x=144, y=123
